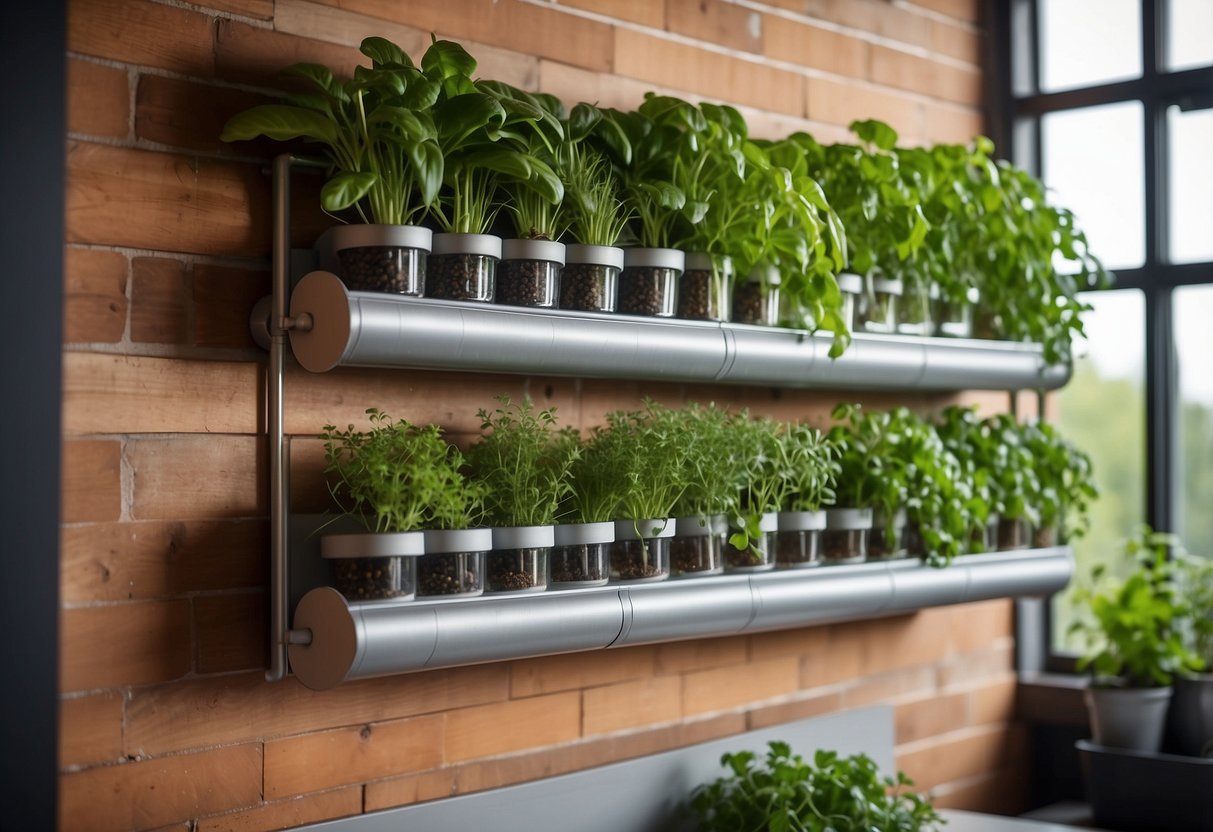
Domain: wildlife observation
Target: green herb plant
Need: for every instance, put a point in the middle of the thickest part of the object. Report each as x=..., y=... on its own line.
x=872, y=446
x=1194, y=581
x=521, y=464
x=397, y=476
x=1133, y=628
x=593, y=209
x=960, y=429
x=714, y=468
x=378, y=138
x=812, y=468
x=1065, y=478
x=784, y=793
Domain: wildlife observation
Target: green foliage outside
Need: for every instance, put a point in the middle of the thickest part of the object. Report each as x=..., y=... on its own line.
x=1107, y=418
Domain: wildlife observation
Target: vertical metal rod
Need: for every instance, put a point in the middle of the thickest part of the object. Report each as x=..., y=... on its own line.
x=279, y=459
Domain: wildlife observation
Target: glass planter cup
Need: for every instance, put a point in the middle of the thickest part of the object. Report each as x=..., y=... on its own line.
x=697, y=546
x=915, y=313
x=648, y=284
x=845, y=539
x=382, y=258
x=759, y=557
x=641, y=551
x=887, y=539
x=879, y=307
x=529, y=273
x=705, y=290
x=851, y=288
x=463, y=267
x=519, y=560
x=1013, y=533
x=798, y=539
x=579, y=555
x=985, y=537
x=374, y=567
x=453, y=563
x=756, y=301
x=955, y=319
x=589, y=281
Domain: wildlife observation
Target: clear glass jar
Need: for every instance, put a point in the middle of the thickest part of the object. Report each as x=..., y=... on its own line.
x=756, y=301
x=580, y=555
x=641, y=551
x=760, y=556
x=648, y=284
x=705, y=290
x=697, y=546
x=529, y=273
x=1014, y=533
x=878, y=312
x=798, y=539
x=589, y=281
x=851, y=288
x=519, y=560
x=453, y=563
x=887, y=539
x=915, y=313
x=382, y=258
x=954, y=319
x=373, y=567
x=845, y=539
x=463, y=267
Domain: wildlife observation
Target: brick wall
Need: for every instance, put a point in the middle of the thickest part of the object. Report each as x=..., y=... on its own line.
x=166, y=721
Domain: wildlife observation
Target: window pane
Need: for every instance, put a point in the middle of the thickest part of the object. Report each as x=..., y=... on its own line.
x=1193, y=308
x=1189, y=34
x=1190, y=218
x=1102, y=410
x=1087, y=42
x=1093, y=162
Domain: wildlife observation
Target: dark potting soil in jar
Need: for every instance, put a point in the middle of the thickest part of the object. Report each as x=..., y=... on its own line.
x=911, y=539
x=1045, y=537
x=448, y=574
x=371, y=579
x=701, y=296
x=648, y=290
x=881, y=545
x=748, y=558
x=579, y=563
x=513, y=570
x=527, y=283
x=700, y=553
x=751, y=304
x=844, y=545
x=799, y=548
x=392, y=269
x=634, y=560
x=587, y=287
x=461, y=277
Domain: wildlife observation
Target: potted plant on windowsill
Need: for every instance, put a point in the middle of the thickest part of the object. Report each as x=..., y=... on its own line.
x=1135, y=644
x=393, y=479
x=522, y=469
x=1190, y=720
x=384, y=160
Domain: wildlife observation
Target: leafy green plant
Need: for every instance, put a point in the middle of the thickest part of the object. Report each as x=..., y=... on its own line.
x=813, y=468
x=1133, y=628
x=960, y=429
x=595, y=213
x=714, y=467
x=874, y=469
x=784, y=793
x=1194, y=582
x=486, y=132
x=1065, y=479
x=521, y=464
x=375, y=129
x=397, y=476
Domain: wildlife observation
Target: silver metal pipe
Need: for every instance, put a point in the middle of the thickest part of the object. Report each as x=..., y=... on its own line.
x=372, y=329
x=279, y=456
x=357, y=640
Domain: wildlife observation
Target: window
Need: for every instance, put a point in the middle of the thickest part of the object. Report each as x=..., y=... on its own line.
x=1111, y=103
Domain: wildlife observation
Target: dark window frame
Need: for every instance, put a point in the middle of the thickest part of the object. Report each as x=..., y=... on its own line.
x=1016, y=109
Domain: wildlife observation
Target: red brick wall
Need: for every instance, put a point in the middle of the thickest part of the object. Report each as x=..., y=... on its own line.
x=167, y=722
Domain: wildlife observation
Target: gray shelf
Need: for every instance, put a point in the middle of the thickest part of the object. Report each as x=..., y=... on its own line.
x=369, y=329
x=356, y=640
